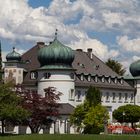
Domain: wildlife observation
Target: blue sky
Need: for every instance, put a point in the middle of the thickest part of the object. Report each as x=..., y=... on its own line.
x=110, y=27
x=37, y=3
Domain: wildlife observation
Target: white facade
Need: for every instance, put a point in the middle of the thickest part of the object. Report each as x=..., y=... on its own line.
x=61, y=80
x=13, y=71
x=64, y=80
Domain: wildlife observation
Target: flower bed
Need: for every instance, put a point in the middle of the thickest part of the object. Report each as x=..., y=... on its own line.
x=118, y=129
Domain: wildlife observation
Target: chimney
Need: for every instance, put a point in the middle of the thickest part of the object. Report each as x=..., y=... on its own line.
x=40, y=44
x=89, y=51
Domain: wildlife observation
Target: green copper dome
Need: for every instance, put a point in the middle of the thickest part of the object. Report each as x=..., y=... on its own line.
x=13, y=56
x=56, y=55
x=135, y=68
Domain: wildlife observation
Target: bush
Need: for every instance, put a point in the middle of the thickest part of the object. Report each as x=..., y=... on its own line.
x=93, y=129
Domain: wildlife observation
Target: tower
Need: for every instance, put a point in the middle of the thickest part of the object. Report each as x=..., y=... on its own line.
x=13, y=70
x=56, y=70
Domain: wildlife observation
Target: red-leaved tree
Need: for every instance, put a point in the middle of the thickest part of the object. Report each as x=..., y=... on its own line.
x=42, y=109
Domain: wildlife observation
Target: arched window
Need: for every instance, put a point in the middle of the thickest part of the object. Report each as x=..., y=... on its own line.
x=47, y=75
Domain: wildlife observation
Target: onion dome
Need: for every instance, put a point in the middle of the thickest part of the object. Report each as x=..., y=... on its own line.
x=56, y=55
x=13, y=56
x=135, y=68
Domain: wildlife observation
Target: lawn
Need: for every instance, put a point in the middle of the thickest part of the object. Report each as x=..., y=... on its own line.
x=70, y=137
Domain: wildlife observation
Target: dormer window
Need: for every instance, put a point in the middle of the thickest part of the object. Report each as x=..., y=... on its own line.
x=81, y=65
x=47, y=75
x=103, y=79
x=96, y=78
x=33, y=75
x=109, y=80
x=82, y=77
x=121, y=81
x=115, y=80
x=89, y=78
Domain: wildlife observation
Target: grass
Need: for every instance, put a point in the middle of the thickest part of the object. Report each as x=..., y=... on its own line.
x=70, y=137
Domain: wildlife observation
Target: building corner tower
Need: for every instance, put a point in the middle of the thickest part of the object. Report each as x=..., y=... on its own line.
x=56, y=70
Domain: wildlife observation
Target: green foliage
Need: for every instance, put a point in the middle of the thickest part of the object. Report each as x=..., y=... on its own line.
x=127, y=113
x=90, y=115
x=10, y=109
x=95, y=118
x=116, y=66
x=93, y=96
x=78, y=116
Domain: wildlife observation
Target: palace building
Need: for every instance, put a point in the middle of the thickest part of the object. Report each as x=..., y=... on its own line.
x=70, y=72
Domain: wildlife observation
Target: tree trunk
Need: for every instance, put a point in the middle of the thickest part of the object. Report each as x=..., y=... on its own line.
x=34, y=130
x=2, y=127
x=132, y=124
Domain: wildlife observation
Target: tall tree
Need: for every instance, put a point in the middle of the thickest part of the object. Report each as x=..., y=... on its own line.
x=127, y=113
x=93, y=96
x=41, y=109
x=116, y=66
x=10, y=108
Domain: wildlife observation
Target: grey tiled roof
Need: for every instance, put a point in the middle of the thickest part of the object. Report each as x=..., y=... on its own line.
x=83, y=65
x=65, y=109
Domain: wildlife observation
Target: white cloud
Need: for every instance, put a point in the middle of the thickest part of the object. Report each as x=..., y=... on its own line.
x=131, y=45
x=135, y=58
x=99, y=49
x=21, y=23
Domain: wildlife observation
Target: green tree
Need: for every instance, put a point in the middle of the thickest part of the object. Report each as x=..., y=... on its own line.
x=78, y=116
x=127, y=113
x=93, y=96
x=116, y=66
x=95, y=118
x=10, y=108
x=91, y=114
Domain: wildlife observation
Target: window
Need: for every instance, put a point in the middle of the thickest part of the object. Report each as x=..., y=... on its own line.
x=82, y=77
x=33, y=75
x=109, y=79
x=126, y=97
x=14, y=70
x=89, y=78
x=120, y=97
x=132, y=98
x=47, y=75
x=103, y=79
x=107, y=97
x=78, y=95
x=96, y=79
x=19, y=71
x=71, y=95
x=6, y=71
x=115, y=80
x=121, y=81
x=113, y=97
x=72, y=75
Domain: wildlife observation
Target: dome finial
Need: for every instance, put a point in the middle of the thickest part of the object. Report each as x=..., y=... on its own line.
x=13, y=49
x=56, y=33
